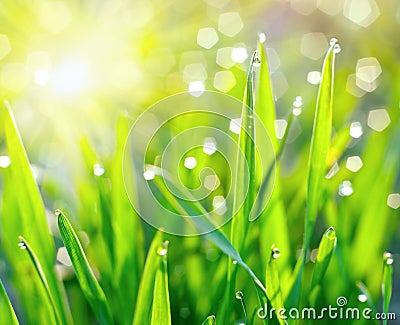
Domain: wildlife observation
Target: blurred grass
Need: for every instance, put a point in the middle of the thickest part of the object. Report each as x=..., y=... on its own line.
x=52, y=125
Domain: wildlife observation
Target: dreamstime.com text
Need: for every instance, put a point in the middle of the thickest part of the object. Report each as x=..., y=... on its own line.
x=338, y=312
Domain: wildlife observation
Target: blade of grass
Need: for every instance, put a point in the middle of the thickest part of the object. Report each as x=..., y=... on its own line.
x=320, y=142
x=325, y=250
x=273, y=282
x=24, y=245
x=143, y=307
x=90, y=287
x=161, y=312
x=6, y=310
x=28, y=215
x=210, y=320
x=387, y=282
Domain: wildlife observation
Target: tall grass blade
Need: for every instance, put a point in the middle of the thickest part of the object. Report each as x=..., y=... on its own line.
x=142, y=313
x=320, y=142
x=24, y=245
x=88, y=283
x=6, y=310
x=26, y=214
x=387, y=282
x=161, y=311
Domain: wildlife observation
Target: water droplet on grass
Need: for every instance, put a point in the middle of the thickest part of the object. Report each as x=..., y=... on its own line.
x=163, y=249
x=275, y=252
x=239, y=295
x=5, y=161
x=333, y=41
x=98, y=170
x=388, y=258
x=362, y=297
x=337, y=49
x=262, y=38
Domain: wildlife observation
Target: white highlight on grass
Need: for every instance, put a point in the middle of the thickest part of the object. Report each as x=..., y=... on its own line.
x=63, y=257
x=5, y=161
x=190, y=162
x=149, y=175
x=362, y=297
x=219, y=204
x=333, y=171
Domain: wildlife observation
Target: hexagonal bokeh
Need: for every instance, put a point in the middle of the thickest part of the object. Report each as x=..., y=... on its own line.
x=314, y=45
x=314, y=77
x=224, y=81
x=304, y=7
x=367, y=72
x=224, y=57
x=361, y=12
x=354, y=164
x=330, y=7
x=5, y=46
x=207, y=37
x=55, y=16
x=230, y=23
x=378, y=119
x=393, y=200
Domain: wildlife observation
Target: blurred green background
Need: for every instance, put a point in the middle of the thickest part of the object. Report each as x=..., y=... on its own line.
x=70, y=68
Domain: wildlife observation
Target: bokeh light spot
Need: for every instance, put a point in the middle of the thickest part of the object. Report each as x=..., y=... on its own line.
x=304, y=7
x=190, y=162
x=55, y=16
x=313, y=45
x=367, y=72
x=378, y=119
x=207, y=37
x=230, y=23
x=393, y=200
x=314, y=77
x=224, y=57
x=354, y=164
x=356, y=130
x=224, y=81
x=361, y=12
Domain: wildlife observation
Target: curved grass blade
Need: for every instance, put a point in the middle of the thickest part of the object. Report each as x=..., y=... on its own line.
x=387, y=282
x=6, y=310
x=90, y=287
x=23, y=244
x=26, y=214
x=161, y=312
x=210, y=320
x=320, y=142
x=325, y=252
x=143, y=307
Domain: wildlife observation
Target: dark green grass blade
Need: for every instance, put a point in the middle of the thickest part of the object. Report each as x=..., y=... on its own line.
x=320, y=142
x=161, y=311
x=89, y=285
x=325, y=251
x=6, y=310
x=28, y=216
x=143, y=306
x=23, y=244
x=387, y=282
x=210, y=320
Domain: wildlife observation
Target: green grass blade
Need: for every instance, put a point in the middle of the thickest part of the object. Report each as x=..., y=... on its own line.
x=210, y=320
x=273, y=282
x=23, y=244
x=387, y=282
x=143, y=307
x=6, y=310
x=325, y=251
x=90, y=287
x=161, y=311
x=320, y=142
x=28, y=216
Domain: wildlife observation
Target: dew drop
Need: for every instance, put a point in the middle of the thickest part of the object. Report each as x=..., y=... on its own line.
x=330, y=233
x=22, y=245
x=4, y=161
x=337, y=49
x=234, y=262
x=98, y=170
x=388, y=258
x=346, y=189
x=256, y=59
x=275, y=253
x=57, y=212
x=239, y=295
x=262, y=38
x=163, y=249
x=333, y=41
x=297, y=106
